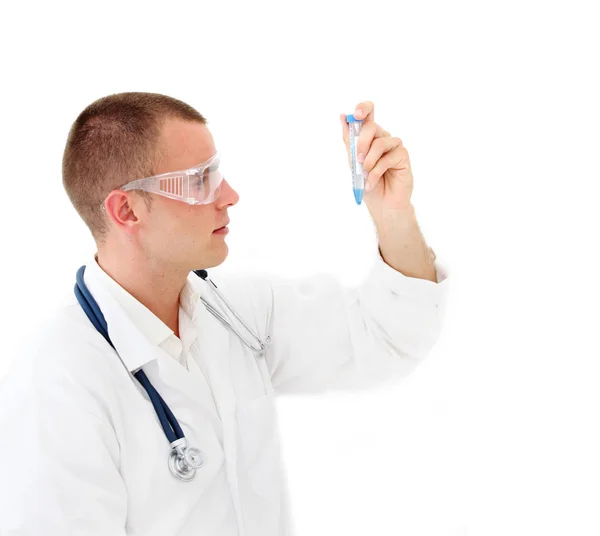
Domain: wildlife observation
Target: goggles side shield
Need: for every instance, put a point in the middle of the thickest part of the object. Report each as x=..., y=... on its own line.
x=196, y=186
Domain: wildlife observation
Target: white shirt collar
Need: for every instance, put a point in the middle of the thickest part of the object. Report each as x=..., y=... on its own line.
x=152, y=327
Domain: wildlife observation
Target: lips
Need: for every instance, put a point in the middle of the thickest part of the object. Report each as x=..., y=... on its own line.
x=224, y=225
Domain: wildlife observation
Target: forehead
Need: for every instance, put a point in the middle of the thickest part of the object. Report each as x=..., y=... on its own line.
x=184, y=144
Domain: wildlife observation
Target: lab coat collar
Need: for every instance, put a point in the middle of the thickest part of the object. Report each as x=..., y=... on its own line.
x=137, y=342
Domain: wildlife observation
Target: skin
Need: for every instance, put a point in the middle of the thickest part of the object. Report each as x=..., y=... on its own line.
x=150, y=254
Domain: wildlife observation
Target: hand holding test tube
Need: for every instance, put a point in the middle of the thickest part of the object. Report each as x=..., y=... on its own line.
x=384, y=170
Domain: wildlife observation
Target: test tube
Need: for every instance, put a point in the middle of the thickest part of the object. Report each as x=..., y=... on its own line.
x=358, y=178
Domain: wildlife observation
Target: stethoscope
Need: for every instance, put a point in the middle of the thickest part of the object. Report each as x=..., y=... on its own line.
x=183, y=459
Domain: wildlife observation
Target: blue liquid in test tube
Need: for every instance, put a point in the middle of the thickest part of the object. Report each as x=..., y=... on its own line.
x=358, y=178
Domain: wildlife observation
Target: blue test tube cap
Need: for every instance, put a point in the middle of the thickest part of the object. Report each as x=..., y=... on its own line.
x=351, y=119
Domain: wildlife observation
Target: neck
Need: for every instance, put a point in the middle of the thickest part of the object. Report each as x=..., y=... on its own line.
x=152, y=283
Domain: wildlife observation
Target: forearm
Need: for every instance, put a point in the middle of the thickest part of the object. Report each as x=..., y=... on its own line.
x=403, y=247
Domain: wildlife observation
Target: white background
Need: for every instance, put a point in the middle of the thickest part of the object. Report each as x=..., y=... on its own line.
x=497, y=103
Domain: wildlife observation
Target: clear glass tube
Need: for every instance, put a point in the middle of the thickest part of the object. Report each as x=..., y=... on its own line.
x=358, y=178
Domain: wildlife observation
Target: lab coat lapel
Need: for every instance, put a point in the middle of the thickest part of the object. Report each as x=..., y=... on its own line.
x=136, y=351
x=214, y=346
x=193, y=394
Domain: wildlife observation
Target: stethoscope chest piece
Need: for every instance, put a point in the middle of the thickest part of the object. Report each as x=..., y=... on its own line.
x=183, y=461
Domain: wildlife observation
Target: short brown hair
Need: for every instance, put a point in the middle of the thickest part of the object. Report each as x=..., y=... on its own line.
x=114, y=141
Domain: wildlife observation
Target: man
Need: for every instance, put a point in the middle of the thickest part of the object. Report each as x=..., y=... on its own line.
x=81, y=448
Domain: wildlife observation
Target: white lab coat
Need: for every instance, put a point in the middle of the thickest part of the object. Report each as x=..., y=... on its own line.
x=82, y=451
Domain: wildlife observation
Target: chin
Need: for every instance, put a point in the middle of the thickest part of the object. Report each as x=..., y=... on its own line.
x=211, y=261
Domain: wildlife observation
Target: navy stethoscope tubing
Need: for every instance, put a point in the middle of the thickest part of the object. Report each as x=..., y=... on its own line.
x=168, y=421
x=183, y=460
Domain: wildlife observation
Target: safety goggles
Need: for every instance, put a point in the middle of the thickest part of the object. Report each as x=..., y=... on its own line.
x=198, y=185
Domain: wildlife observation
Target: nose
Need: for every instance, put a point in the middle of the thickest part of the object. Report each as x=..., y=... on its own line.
x=227, y=195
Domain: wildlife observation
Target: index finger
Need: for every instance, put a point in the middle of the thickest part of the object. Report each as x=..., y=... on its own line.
x=368, y=111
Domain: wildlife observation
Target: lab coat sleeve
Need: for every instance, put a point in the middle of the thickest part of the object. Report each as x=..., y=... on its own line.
x=58, y=456
x=327, y=336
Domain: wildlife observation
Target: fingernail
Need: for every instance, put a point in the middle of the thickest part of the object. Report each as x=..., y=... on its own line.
x=361, y=157
x=367, y=186
x=358, y=112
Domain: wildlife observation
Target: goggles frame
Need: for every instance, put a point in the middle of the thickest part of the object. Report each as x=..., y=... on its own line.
x=176, y=184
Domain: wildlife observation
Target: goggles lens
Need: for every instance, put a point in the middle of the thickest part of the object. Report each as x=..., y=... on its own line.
x=205, y=187
x=197, y=186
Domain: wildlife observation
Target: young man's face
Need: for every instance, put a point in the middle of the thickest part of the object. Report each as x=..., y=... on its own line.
x=178, y=233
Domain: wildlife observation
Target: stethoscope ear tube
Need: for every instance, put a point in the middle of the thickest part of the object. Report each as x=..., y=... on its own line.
x=260, y=351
